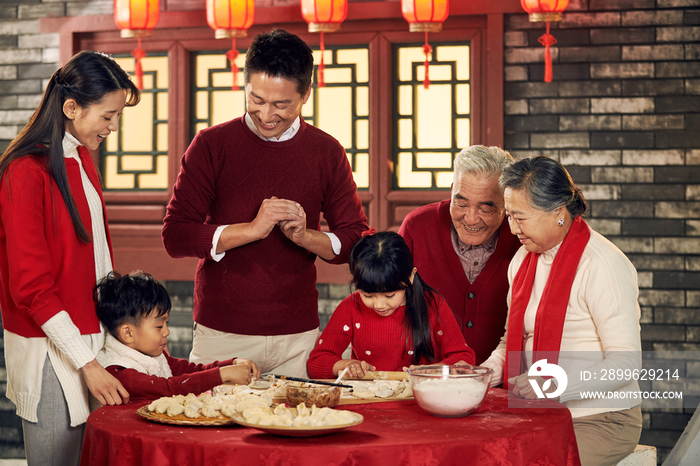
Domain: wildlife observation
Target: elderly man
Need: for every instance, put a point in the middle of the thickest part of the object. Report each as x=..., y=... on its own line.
x=462, y=246
x=248, y=203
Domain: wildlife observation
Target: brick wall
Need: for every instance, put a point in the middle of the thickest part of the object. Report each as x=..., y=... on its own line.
x=622, y=114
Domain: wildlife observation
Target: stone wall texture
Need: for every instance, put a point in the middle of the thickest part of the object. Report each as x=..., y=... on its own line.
x=622, y=114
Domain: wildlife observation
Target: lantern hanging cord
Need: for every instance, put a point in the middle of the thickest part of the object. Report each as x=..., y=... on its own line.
x=427, y=49
x=547, y=40
x=321, y=65
x=232, y=55
x=138, y=54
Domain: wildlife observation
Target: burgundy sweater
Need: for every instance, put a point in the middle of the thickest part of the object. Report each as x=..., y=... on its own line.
x=382, y=341
x=188, y=377
x=267, y=287
x=480, y=307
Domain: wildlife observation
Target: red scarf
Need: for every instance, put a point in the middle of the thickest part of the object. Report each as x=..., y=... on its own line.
x=551, y=312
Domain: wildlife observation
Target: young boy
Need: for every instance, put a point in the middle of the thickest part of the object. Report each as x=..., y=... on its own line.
x=135, y=310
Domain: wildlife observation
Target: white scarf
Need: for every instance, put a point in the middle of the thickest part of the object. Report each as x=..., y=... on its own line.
x=116, y=353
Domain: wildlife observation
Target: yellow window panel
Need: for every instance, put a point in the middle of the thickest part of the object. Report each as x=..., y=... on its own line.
x=435, y=73
x=359, y=58
x=227, y=105
x=137, y=125
x=463, y=98
x=434, y=122
x=327, y=57
x=405, y=136
x=201, y=104
x=458, y=54
x=443, y=179
x=204, y=63
x=407, y=178
x=408, y=56
x=362, y=134
x=337, y=75
x=434, y=160
x=335, y=113
x=142, y=129
x=157, y=180
x=200, y=126
x=133, y=163
x=162, y=138
x=162, y=106
x=362, y=101
x=361, y=172
x=463, y=132
x=113, y=179
x=405, y=100
x=307, y=111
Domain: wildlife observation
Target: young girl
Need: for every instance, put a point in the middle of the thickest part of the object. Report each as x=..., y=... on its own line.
x=54, y=246
x=135, y=310
x=393, y=321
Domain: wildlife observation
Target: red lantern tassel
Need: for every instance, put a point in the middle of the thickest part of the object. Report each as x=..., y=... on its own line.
x=427, y=49
x=231, y=55
x=547, y=40
x=322, y=66
x=138, y=54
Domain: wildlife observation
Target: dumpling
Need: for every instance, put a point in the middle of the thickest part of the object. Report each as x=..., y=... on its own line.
x=228, y=410
x=191, y=412
x=210, y=409
x=175, y=409
x=163, y=405
x=154, y=403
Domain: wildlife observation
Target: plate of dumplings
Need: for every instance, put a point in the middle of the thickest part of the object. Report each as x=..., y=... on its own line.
x=202, y=410
x=298, y=422
x=248, y=408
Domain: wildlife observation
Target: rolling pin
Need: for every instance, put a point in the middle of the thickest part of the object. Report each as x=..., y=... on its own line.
x=385, y=375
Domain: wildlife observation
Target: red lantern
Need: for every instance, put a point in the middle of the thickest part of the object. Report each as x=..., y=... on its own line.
x=425, y=16
x=545, y=10
x=230, y=19
x=324, y=16
x=137, y=18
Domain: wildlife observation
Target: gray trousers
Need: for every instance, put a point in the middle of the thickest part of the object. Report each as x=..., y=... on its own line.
x=52, y=441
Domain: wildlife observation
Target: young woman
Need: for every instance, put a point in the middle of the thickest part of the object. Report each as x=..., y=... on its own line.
x=54, y=246
x=393, y=321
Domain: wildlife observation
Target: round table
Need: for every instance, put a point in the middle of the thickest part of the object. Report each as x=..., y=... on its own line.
x=393, y=433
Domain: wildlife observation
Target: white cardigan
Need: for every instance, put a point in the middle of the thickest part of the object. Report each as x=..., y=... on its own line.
x=67, y=349
x=602, y=316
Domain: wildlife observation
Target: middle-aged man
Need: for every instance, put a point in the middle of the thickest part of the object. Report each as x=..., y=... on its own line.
x=462, y=247
x=248, y=202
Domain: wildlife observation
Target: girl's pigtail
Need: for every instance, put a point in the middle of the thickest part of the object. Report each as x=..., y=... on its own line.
x=419, y=298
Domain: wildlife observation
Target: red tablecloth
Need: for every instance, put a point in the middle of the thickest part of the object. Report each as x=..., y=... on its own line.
x=393, y=433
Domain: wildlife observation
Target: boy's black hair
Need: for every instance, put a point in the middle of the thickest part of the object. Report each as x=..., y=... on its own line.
x=129, y=299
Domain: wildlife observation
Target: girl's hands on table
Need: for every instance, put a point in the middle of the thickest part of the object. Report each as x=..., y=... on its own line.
x=356, y=369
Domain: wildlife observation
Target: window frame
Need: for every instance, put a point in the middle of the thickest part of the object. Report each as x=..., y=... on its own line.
x=135, y=218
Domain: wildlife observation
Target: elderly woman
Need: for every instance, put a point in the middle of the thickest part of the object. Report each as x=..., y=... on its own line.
x=573, y=300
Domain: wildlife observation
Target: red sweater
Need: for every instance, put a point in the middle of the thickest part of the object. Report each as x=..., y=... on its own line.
x=382, y=341
x=44, y=268
x=188, y=377
x=480, y=307
x=267, y=287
